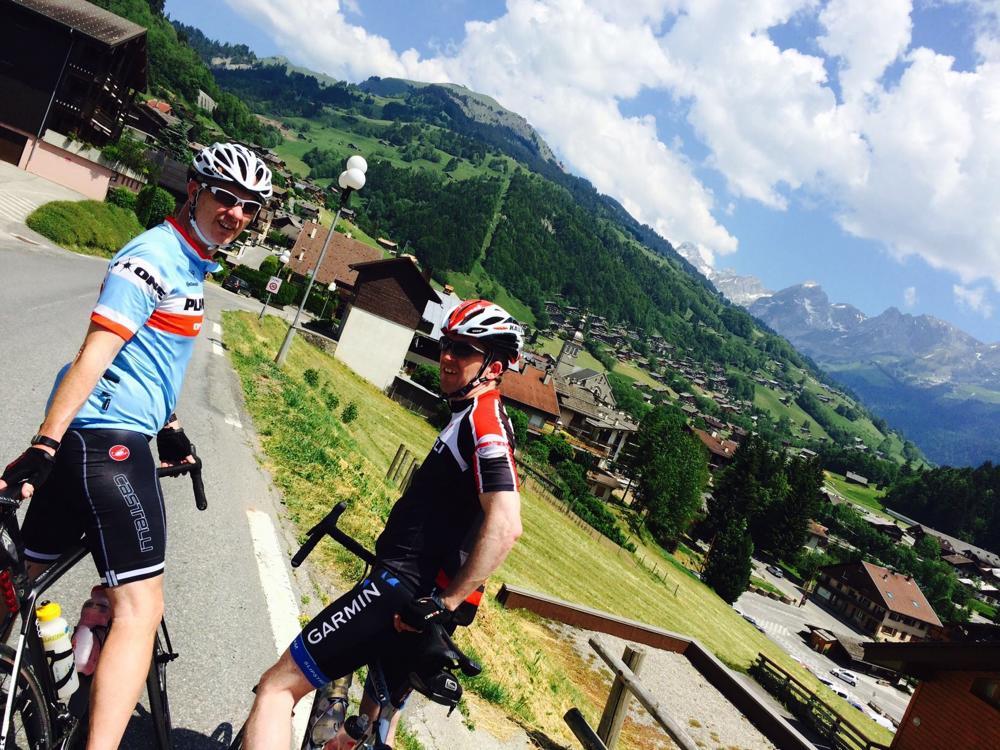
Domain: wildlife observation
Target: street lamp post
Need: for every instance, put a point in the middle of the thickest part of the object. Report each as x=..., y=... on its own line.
x=330, y=290
x=283, y=259
x=352, y=178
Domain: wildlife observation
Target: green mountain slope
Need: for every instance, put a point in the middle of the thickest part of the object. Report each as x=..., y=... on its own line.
x=476, y=193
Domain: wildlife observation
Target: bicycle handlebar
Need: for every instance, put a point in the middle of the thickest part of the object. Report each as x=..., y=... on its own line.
x=328, y=527
x=196, y=482
x=14, y=501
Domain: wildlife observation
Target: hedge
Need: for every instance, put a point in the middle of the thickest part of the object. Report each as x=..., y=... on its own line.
x=90, y=226
x=289, y=294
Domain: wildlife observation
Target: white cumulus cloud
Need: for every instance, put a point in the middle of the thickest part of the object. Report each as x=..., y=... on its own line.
x=891, y=139
x=975, y=300
x=910, y=297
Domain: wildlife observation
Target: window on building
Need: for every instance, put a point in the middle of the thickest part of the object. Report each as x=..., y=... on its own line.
x=988, y=690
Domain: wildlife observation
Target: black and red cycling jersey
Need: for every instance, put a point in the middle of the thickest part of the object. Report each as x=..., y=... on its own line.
x=429, y=534
x=433, y=526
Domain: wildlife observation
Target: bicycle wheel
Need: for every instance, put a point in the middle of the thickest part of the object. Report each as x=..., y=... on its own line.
x=30, y=727
x=156, y=690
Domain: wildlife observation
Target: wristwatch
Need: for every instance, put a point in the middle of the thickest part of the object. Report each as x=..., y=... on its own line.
x=40, y=439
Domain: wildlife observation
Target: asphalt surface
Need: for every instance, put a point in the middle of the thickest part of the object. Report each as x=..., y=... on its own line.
x=783, y=623
x=217, y=612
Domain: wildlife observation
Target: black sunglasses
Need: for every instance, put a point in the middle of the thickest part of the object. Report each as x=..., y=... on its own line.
x=459, y=348
x=228, y=200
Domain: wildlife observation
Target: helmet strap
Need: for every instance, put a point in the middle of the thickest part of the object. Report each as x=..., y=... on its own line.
x=477, y=381
x=209, y=245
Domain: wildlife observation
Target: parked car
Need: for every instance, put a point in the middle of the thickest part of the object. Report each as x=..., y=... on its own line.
x=775, y=571
x=846, y=675
x=835, y=687
x=236, y=285
x=753, y=622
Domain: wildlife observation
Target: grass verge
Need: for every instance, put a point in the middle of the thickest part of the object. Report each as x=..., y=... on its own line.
x=533, y=675
x=89, y=227
x=870, y=497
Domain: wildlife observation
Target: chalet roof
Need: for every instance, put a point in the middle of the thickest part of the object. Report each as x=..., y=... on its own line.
x=86, y=18
x=722, y=448
x=921, y=659
x=818, y=529
x=404, y=264
x=956, y=559
x=337, y=266
x=584, y=373
x=528, y=388
x=581, y=401
x=977, y=554
x=897, y=593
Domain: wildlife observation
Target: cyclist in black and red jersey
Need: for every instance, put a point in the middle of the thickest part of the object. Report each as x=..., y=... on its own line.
x=448, y=532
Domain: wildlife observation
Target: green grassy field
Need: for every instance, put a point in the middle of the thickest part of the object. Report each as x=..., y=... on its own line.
x=553, y=346
x=340, y=137
x=467, y=286
x=767, y=399
x=532, y=676
x=870, y=497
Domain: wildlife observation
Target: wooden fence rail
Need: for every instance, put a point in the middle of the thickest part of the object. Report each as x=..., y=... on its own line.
x=810, y=708
x=628, y=683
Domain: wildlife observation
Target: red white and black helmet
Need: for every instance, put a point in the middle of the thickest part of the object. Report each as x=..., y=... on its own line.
x=488, y=324
x=231, y=162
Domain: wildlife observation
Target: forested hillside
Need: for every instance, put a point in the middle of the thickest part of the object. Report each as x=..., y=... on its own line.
x=959, y=502
x=473, y=191
x=175, y=68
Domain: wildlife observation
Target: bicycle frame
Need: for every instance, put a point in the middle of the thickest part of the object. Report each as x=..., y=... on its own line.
x=29, y=592
x=28, y=639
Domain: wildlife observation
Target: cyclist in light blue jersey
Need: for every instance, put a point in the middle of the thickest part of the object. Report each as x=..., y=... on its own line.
x=106, y=405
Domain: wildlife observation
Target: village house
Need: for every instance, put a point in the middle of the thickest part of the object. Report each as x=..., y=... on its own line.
x=533, y=391
x=720, y=451
x=882, y=603
x=70, y=73
x=387, y=307
x=342, y=254
x=957, y=701
x=817, y=536
x=853, y=478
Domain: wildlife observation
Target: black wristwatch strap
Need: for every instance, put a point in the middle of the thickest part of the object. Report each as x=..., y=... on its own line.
x=46, y=441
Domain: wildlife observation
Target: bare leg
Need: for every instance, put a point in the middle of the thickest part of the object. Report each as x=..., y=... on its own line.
x=124, y=663
x=370, y=707
x=269, y=726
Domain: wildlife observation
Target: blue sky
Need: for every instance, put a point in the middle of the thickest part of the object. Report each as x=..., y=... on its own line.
x=840, y=142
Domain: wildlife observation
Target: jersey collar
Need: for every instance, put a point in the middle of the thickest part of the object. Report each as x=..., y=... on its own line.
x=192, y=248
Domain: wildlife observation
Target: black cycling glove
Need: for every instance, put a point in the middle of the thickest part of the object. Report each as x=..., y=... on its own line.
x=33, y=466
x=423, y=610
x=172, y=445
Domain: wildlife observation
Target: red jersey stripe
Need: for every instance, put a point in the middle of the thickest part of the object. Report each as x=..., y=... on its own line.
x=181, y=325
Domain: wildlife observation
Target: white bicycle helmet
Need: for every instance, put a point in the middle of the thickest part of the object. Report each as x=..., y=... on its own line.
x=489, y=325
x=231, y=162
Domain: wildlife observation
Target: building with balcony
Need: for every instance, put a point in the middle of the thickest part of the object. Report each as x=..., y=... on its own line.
x=69, y=71
x=886, y=605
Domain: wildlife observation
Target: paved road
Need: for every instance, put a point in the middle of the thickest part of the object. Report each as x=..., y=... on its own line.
x=782, y=623
x=222, y=622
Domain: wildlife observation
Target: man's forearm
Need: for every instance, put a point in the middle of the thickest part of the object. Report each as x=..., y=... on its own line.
x=99, y=349
x=500, y=529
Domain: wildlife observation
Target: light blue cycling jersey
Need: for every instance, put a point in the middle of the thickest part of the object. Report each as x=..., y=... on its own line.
x=153, y=297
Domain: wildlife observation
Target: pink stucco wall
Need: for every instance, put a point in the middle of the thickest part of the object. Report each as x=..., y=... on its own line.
x=68, y=170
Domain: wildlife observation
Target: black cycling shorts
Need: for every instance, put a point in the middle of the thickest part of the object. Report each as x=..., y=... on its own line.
x=104, y=488
x=355, y=630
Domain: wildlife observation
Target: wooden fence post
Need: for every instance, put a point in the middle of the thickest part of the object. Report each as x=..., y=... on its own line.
x=581, y=729
x=396, y=460
x=408, y=476
x=398, y=473
x=618, y=700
